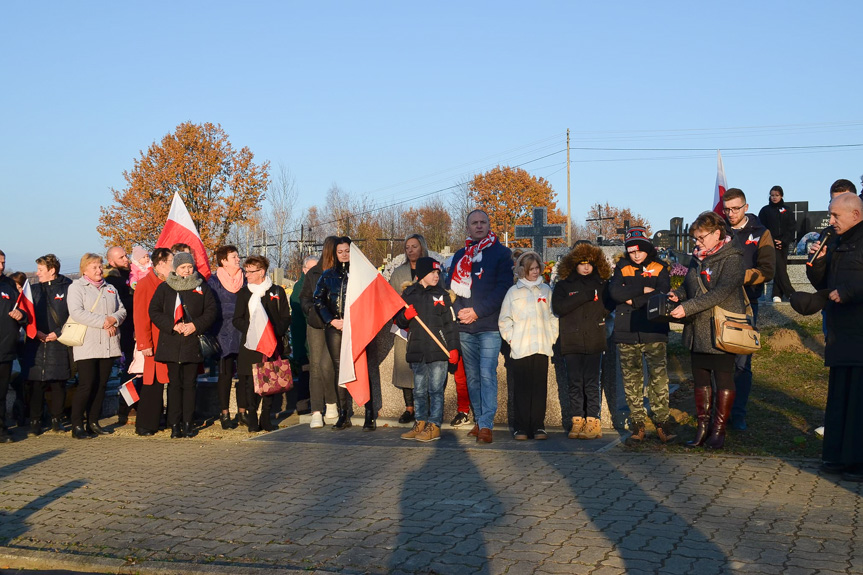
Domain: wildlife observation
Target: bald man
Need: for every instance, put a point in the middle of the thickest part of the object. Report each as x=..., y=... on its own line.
x=840, y=270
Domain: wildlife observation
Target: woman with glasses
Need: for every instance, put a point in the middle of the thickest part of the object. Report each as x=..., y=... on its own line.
x=258, y=303
x=715, y=278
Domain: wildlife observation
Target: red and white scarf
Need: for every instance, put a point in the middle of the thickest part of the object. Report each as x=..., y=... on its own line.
x=701, y=254
x=461, y=275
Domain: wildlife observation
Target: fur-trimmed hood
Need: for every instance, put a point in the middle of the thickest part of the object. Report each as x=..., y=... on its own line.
x=580, y=253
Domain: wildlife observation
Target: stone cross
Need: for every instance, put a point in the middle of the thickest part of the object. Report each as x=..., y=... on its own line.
x=539, y=231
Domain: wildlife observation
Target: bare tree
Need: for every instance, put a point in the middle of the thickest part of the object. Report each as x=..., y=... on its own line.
x=460, y=205
x=279, y=221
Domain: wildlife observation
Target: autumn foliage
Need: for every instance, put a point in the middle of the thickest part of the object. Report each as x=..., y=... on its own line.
x=509, y=195
x=219, y=185
x=608, y=228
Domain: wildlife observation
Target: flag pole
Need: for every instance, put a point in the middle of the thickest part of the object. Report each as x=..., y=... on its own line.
x=428, y=331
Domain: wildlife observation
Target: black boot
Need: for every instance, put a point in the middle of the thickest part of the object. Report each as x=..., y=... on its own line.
x=79, y=432
x=57, y=424
x=176, y=431
x=264, y=421
x=344, y=420
x=35, y=427
x=252, y=421
x=189, y=430
x=370, y=424
x=225, y=418
x=4, y=435
x=702, y=411
x=97, y=429
x=241, y=418
x=724, y=402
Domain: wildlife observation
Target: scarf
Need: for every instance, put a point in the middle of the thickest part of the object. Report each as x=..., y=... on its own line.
x=232, y=284
x=701, y=254
x=183, y=284
x=260, y=335
x=527, y=283
x=97, y=284
x=461, y=276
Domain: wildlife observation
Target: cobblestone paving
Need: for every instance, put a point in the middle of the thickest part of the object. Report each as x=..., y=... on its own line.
x=364, y=509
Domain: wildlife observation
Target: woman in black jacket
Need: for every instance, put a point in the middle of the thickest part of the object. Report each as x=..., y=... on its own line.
x=47, y=358
x=329, y=298
x=780, y=221
x=579, y=301
x=182, y=307
x=11, y=322
x=260, y=301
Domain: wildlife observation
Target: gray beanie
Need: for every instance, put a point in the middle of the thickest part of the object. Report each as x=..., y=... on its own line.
x=181, y=258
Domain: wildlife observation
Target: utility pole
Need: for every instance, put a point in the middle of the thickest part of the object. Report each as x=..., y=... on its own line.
x=568, y=209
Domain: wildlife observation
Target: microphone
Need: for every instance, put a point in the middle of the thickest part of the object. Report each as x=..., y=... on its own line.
x=826, y=234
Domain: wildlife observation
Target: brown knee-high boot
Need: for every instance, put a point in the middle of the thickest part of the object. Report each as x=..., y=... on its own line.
x=702, y=411
x=724, y=402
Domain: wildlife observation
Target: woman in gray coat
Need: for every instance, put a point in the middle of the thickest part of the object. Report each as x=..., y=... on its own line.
x=715, y=278
x=96, y=304
x=403, y=378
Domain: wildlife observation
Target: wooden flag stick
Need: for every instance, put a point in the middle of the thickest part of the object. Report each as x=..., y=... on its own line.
x=428, y=331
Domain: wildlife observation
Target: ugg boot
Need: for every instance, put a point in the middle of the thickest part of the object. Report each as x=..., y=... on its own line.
x=702, y=412
x=724, y=402
x=415, y=430
x=592, y=429
x=577, y=427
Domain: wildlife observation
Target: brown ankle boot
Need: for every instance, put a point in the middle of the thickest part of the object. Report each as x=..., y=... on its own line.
x=724, y=402
x=577, y=427
x=702, y=411
x=592, y=429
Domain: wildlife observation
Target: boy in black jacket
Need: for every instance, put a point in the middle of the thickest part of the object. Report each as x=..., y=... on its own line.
x=637, y=276
x=430, y=303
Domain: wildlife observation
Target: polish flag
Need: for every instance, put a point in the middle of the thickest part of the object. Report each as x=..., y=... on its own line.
x=721, y=185
x=178, y=310
x=25, y=303
x=370, y=304
x=129, y=393
x=181, y=229
x=261, y=336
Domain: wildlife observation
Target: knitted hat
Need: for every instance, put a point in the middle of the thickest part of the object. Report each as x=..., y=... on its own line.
x=137, y=253
x=637, y=236
x=181, y=258
x=425, y=266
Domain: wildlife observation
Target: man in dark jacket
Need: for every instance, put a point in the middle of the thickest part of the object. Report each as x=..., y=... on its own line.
x=118, y=276
x=759, y=255
x=11, y=320
x=299, y=346
x=780, y=221
x=480, y=275
x=841, y=271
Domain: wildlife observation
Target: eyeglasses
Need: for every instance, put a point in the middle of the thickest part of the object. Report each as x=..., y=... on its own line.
x=701, y=237
x=253, y=271
x=733, y=210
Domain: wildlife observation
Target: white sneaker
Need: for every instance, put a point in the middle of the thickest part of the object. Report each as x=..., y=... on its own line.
x=317, y=420
x=777, y=300
x=332, y=413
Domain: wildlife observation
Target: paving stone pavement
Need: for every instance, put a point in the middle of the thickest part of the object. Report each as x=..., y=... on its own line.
x=317, y=504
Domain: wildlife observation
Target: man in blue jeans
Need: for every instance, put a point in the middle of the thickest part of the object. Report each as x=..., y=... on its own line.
x=480, y=275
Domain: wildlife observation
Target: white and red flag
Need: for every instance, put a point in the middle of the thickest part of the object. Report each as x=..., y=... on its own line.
x=261, y=336
x=128, y=392
x=721, y=184
x=181, y=229
x=25, y=304
x=178, y=310
x=370, y=303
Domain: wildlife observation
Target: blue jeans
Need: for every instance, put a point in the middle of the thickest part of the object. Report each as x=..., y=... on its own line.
x=743, y=378
x=429, y=382
x=480, y=351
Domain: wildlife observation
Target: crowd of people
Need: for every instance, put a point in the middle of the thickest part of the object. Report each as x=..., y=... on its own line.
x=488, y=302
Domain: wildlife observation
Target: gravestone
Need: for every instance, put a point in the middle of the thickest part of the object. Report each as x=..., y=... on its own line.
x=539, y=231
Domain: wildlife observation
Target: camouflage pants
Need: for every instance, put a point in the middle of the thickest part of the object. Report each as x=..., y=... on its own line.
x=633, y=379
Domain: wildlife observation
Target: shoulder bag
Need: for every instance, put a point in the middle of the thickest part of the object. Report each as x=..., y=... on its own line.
x=209, y=344
x=73, y=332
x=734, y=332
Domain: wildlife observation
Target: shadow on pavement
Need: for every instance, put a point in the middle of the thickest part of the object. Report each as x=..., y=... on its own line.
x=15, y=524
x=23, y=464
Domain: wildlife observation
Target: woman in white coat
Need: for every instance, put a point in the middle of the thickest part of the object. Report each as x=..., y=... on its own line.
x=95, y=303
x=528, y=325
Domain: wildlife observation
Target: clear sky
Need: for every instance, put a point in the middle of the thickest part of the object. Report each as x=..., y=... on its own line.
x=397, y=100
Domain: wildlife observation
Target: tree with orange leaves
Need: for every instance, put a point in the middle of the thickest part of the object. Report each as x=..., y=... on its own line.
x=509, y=195
x=606, y=220
x=219, y=185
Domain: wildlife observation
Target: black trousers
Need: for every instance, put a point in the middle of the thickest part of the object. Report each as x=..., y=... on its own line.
x=149, y=407
x=843, y=416
x=408, y=394
x=227, y=366
x=253, y=400
x=182, y=378
x=5, y=377
x=582, y=372
x=37, y=396
x=781, y=283
x=530, y=380
x=92, y=378
x=322, y=383
x=334, y=345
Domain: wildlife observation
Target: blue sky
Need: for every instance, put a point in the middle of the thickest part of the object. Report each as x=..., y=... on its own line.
x=396, y=100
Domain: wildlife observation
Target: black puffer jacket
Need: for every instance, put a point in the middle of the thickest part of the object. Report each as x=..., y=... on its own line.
x=434, y=308
x=200, y=308
x=49, y=361
x=842, y=269
x=627, y=284
x=780, y=221
x=9, y=328
x=331, y=291
x=581, y=302
x=307, y=296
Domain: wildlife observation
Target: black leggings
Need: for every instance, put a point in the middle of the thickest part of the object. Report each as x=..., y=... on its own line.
x=37, y=395
x=93, y=376
x=409, y=396
x=724, y=379
x=334, y=345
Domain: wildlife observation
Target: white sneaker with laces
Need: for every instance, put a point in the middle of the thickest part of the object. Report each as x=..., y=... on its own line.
x=317, y=420
x=332, y=413
x=777, y=300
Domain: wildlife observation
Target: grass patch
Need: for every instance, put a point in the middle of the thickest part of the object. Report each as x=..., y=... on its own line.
x=789, y=391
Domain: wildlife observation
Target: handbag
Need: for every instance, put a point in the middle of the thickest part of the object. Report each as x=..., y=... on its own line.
x=272, y=377
x=208, y=344
x=73, y=332
x=734, y=332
